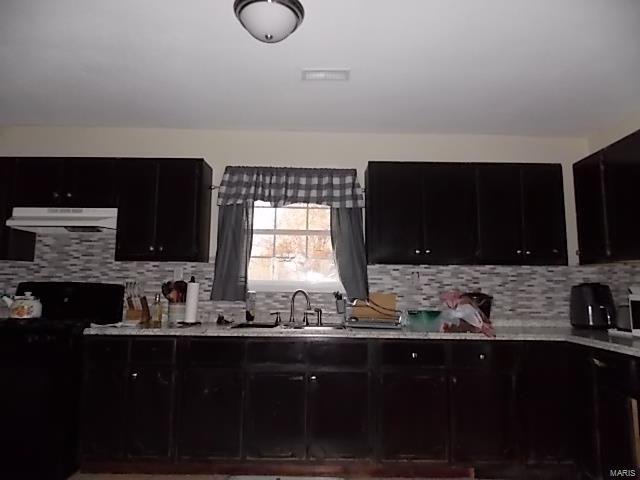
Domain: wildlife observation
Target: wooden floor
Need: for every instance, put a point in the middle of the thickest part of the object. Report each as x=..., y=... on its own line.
x=95, y=476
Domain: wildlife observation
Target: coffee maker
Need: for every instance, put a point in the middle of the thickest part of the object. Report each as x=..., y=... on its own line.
x=592, y=306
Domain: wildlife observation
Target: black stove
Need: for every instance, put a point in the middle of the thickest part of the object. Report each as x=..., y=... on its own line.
x=41, y=377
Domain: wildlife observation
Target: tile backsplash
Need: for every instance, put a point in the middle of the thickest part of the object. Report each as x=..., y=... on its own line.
x=522, y=295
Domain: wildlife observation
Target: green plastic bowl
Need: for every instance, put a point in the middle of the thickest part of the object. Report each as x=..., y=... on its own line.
x=424, y=320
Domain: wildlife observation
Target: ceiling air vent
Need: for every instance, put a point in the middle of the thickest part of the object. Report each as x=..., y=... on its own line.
x=332, y=75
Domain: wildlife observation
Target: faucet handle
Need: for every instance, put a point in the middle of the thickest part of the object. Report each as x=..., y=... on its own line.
x=306, y=315
x=278, y=318
x=318, y=312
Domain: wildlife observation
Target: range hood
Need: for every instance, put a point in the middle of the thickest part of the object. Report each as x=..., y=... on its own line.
x=63, y=220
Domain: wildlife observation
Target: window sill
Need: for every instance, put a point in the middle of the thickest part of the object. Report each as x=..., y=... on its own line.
x=291, y=286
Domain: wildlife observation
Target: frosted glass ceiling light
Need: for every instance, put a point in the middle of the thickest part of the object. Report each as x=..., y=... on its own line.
x=269, y=21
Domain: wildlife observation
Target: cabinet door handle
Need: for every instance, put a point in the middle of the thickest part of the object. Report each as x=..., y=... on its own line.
x=134, y=375
x=161, y=248
x=599, y=363
x=528, y=252
x=56, y=194
x=414, y=355
x=519, y=252
x=151, y=248
x=418, y=251
x=481, y=356
x=454, y=380
x=69, y=195
x=555, y=250
x=313, y=378
x=296, y=378
x=427, y=251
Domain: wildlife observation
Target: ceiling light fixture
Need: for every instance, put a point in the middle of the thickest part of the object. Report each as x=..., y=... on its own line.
x=269, y=21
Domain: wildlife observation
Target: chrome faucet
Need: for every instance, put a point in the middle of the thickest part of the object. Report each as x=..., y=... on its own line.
x=293, y=305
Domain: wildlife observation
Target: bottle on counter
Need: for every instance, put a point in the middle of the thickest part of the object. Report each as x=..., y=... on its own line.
x=250, y=312
x=156, y=313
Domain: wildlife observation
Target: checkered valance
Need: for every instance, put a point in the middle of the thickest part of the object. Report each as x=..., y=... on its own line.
x=338, y=188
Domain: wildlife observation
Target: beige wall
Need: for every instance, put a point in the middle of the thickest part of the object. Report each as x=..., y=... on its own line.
x=608, y=135
x=353, y=150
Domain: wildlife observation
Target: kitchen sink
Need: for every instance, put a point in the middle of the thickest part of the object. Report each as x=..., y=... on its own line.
x=315, y=328
x=254, y=325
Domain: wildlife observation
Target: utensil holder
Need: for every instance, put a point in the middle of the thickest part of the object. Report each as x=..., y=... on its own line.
x=177, y=312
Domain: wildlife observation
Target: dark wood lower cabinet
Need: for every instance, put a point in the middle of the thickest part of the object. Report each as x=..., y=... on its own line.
x=481, y=405
x=209, y=417
x=549, y=402
x=381, y=404
x=414, y=415
x=615, y=420
x=338, y=415
x=150, y=412
x=103, y=422
x=275, y=415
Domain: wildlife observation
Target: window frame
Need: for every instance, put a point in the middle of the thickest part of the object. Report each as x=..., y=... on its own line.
x=288, y=285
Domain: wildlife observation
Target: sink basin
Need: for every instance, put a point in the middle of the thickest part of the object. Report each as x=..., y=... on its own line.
x=322, y=328
x=254, y=325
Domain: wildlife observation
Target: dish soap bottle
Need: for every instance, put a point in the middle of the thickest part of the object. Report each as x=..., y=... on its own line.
x=156, y=313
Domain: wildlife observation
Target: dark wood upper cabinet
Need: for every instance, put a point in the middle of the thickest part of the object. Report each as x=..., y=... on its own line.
x=64, y=182
x=394, y=209
x=500, y=220
x=164, y=210
x=593, y=236
x=14, y=244
x=137, y=219
x=463, y=213
x=621, y=180
x=607, y=202
x=89, y=183
x=450, y=213
x=182, y=185
x=420, y=213
x=545, y=237
x=38, y=182
x=521, y=214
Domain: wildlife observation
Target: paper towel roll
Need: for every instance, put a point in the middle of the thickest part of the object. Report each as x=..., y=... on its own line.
x=191, y=316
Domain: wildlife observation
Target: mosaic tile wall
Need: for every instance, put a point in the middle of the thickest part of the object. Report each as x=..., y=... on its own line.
x=522, y=295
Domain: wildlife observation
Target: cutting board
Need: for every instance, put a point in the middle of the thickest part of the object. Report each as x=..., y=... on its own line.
x=384, y=300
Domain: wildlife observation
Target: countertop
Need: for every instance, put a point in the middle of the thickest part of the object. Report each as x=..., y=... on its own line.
x=616, y=342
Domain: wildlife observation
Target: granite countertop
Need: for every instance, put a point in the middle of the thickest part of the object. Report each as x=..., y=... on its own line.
x=621, y=343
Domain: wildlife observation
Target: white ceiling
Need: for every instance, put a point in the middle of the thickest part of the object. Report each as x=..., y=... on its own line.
x=531, y=67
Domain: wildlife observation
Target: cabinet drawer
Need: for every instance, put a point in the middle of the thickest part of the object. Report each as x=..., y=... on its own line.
x=418, y=354
x=153, y=350
x=215, y=352
x=107, y=351
x=478, y=354
x=276, y=352
x=338, y=354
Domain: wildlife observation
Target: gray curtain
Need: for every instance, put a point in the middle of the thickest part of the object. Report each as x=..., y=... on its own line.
x=235, y=235
x=347, y=239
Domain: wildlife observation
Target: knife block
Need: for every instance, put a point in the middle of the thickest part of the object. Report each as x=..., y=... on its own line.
x=142, y=315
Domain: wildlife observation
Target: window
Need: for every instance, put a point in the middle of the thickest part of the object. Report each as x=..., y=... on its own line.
x=292, y=245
